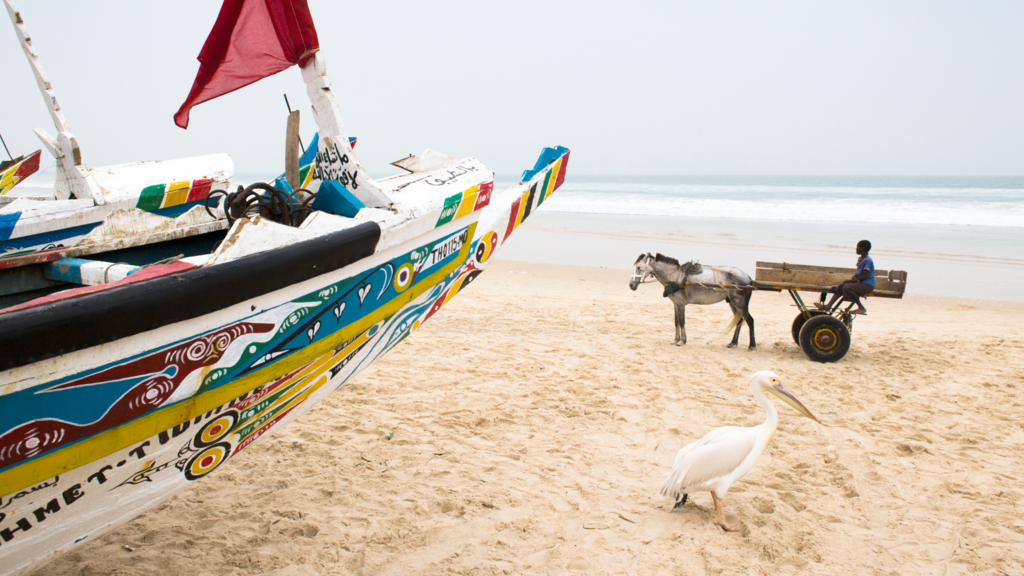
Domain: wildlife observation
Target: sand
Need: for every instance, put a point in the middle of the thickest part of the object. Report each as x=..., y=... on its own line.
x=527, y=427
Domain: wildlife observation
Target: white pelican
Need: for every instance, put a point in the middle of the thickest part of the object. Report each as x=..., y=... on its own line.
x=726, y=454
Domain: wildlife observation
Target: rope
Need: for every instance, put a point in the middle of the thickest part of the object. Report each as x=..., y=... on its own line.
x=718, y=287
x=265, y=200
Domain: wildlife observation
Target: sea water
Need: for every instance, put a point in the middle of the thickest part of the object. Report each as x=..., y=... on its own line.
x=955, y=236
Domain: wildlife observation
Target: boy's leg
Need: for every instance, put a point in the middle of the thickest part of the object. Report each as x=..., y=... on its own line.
x=852, y=292
x=837, y=293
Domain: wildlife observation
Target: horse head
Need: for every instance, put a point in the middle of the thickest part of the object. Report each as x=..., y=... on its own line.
x=641, y=268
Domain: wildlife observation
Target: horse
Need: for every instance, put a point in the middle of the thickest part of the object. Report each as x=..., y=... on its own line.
x=674, y=278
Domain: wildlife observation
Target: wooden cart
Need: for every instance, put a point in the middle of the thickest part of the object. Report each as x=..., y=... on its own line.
x=823, y=336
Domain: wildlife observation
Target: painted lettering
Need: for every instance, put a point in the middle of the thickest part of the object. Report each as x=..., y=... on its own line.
x=23, y=493
x=23, y=526
x=138, y=451
x=72, y=494
x=100, y=477
x=51, y=507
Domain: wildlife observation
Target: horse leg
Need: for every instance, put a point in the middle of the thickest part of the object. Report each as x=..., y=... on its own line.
x=682, y=322
x=750, y=321
x=739, y=325
x=675, y=323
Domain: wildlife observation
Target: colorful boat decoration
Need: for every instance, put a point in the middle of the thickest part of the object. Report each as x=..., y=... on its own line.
x=15, y=170
x=118, y=393
x=83, y=197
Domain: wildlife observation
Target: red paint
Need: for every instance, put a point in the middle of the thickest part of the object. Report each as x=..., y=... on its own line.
x=561, y=172
x=161, y=371
x=29, y=166
x=483, y=198
x=513, y=216
x=200, y=189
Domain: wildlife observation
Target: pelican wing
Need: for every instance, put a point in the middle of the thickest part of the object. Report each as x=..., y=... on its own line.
x=715, y=455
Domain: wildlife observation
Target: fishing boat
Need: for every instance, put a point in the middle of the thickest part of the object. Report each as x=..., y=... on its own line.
x=15, y=170
x=126, y=386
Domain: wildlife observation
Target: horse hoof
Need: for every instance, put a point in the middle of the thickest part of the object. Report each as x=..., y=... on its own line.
x=731, y=346
x=751, y=349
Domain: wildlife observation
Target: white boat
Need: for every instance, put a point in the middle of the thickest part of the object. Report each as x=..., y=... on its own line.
x=126, y=386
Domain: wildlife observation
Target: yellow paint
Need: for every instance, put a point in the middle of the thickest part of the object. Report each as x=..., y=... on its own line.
x=105, y=443
x=176, y=194
x=554, y=176
x=468, y=201
x=523, y=202
x=7, y=180
x=321, y=365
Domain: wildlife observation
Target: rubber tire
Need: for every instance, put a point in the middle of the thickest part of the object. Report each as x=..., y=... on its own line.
x=820, y=331
x=798, y=323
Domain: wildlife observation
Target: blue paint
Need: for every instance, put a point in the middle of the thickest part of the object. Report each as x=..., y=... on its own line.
x=310, y=154
x=7, y=224
x=282, y=184
x=178, y=210
x=547, y=156
x=334, y=198
x=52, y=239
x=69, y=270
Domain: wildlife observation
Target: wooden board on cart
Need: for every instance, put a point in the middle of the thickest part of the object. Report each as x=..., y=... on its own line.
x=786, y=276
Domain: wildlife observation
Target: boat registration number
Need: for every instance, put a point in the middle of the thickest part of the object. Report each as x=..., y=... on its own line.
x=444, y=249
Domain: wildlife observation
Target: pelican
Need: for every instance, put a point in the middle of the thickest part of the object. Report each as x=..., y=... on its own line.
x=726, y=454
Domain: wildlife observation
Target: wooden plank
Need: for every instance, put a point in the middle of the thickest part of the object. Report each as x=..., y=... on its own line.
x=291, y=151
x=885, y=280
x=773, y=275
x=806, y=267
x=75, y=252
x=776, y=286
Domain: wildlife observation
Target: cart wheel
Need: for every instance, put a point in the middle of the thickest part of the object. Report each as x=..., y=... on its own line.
x=824, y=339
x=798, y=323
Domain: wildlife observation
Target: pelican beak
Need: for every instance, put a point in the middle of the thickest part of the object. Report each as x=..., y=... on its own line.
x=788, y=397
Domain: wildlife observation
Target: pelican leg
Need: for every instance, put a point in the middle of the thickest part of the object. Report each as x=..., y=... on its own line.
x=720, y=515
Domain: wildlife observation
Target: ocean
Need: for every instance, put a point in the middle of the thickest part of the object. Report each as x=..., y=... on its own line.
x=955, y=236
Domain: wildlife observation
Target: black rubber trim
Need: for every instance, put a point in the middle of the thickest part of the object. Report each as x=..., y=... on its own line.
x=34, y=334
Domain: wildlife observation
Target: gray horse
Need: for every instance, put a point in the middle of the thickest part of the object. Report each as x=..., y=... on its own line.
x=674, y=276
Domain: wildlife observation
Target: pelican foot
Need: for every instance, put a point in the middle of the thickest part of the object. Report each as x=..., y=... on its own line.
x=731, y=510
x=729, y=526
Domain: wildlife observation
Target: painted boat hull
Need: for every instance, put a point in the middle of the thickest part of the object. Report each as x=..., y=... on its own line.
x=98, y=425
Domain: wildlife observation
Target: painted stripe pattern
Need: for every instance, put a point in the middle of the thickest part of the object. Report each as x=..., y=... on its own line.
x=168, y=195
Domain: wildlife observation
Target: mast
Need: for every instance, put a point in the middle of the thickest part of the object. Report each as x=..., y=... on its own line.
x=335, y=159
x=72, y=174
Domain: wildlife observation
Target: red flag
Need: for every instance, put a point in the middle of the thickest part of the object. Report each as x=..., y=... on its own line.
x=252, y=39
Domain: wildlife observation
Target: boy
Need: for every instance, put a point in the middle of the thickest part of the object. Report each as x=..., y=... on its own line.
x=862, y=282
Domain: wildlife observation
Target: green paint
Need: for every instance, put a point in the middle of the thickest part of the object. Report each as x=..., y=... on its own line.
x=451, y=206
x=151, y=197
x=547, y=177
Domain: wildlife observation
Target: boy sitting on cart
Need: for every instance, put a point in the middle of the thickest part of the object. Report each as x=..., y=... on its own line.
x=863, y=282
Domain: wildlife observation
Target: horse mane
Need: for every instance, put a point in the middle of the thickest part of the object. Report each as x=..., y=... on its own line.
x=666, y=260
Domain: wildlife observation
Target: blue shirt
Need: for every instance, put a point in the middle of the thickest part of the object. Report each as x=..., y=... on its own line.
x=868, y=264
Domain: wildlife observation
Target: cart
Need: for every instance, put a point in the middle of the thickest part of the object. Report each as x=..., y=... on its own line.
x=823, y=335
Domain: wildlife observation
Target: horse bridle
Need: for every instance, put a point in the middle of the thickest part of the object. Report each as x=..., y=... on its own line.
x=643, y=274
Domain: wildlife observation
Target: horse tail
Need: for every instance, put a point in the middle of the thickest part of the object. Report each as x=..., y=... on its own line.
x=736, y=319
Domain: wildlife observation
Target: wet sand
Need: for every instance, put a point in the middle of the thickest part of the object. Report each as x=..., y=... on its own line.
x=526, y=429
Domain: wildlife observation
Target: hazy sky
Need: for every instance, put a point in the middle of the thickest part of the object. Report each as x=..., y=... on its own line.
x=811, y=87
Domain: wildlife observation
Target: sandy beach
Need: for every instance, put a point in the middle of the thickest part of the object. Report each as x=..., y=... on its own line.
x=527, y=427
